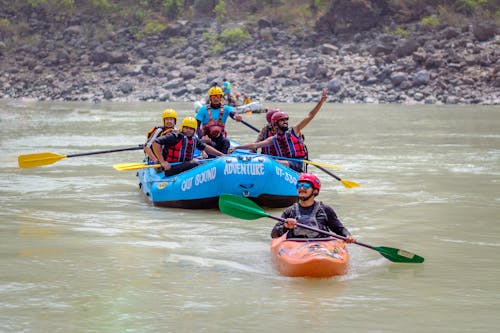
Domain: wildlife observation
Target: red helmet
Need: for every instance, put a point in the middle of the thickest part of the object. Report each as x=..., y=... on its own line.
x=270, y=113
x=310, y=178
x=277, y=116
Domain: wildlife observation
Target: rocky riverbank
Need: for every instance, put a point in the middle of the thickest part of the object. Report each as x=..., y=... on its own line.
x=81, y=63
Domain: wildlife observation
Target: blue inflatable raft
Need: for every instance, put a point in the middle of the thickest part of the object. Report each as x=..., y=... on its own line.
x=257, y=177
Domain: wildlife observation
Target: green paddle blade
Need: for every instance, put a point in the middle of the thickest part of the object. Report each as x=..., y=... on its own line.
x=397, y=255
x=38, y=159
x=240, y=207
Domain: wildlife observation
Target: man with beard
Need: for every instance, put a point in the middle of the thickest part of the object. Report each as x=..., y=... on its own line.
x=309, y=212
x=288, y=142
x=212, y=118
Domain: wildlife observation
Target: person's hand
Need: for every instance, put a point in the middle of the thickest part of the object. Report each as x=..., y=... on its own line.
x=238, y=117
x=230, y=150
x=290, y=223
x=350, y=239
x=165, y=165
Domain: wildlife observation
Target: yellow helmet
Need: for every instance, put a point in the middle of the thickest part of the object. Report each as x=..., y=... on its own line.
x=169, y=113
x=189, y=122
x=215, y=91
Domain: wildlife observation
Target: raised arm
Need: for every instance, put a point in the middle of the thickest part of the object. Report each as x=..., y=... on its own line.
x=303, y=123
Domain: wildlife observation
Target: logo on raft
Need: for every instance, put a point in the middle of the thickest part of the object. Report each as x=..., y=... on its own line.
x=244, y=169
x=199, y=179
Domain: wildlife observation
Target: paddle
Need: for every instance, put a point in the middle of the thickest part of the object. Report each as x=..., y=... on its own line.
x=135, y=166
x=307, y=162
x=345, y=182
x=250, y=126
x=40, y=159
x=246, y=209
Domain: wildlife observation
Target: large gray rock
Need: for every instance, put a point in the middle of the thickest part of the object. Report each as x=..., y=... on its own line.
x=421, y=78
x=484, y=31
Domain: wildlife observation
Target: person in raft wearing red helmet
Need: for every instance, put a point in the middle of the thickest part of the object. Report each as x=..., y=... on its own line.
x=267, y=131
x=288, y=142
x=179, y=147
x=310, y=212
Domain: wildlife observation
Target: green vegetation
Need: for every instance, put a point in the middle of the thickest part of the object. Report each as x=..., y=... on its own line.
x=430, y=21
x=215, y=44
x=399, y=31
x=149, y=17
x=234, y=36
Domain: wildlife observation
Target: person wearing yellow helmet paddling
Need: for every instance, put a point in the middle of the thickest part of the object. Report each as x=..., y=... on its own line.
x=180, y=147
x=169, y=120
x=212, y=118
x=310, y=212
x=288, y=142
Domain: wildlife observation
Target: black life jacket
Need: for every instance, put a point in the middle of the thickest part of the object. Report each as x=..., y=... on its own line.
x=317, y=214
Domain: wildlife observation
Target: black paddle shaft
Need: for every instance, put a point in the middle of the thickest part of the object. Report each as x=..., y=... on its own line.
x=250, y=126
x=107, y=151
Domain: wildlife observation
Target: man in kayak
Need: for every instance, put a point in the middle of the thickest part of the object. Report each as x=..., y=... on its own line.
x=212, y=118
x=288, y=142
x=179, y=147
x=169, y=120
x=310, y=212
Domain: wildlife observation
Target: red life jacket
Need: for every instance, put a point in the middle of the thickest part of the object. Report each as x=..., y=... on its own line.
x=214, y=127
x=290, y=145
x=182, y=151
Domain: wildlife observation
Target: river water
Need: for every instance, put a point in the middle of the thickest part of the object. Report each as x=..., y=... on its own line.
x=82, y=250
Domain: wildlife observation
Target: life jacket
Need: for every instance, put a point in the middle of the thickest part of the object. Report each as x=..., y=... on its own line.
x=317, y=214
x=164, y=131
x=271, y=149
x=290, y=145
x=214, y=127
x=182, y=151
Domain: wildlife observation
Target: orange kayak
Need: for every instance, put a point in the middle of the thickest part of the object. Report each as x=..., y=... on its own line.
x=319, y=258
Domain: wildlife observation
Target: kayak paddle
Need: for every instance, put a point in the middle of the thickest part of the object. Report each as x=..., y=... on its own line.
x=246, y=209
x=40, y=159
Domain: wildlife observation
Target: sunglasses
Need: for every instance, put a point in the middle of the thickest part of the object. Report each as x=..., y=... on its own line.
x=305, y=186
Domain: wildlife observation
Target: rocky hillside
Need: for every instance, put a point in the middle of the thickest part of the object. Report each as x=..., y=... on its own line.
x=360, y=56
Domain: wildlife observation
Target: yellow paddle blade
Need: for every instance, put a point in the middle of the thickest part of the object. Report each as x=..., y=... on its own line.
x=38, y=159
x=134, y=166
x=323, y=164
x=349, y=183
